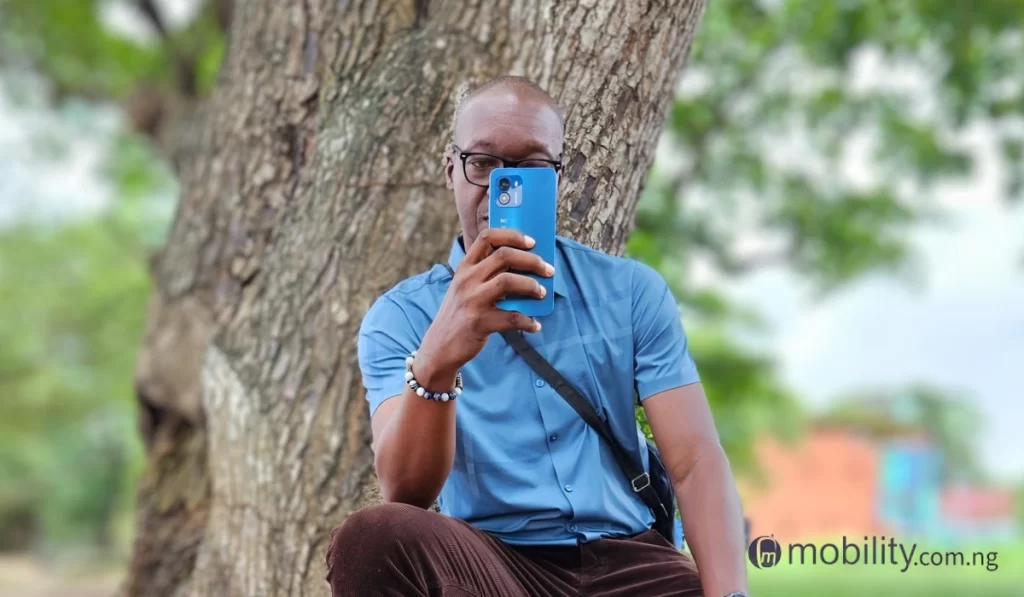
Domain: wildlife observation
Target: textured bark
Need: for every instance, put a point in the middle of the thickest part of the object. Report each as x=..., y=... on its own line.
x=311, y=183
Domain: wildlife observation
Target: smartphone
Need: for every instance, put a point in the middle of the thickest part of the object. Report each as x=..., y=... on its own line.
x=525, y=199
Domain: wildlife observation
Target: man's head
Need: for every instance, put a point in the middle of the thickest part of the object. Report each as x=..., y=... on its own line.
x=507, y=119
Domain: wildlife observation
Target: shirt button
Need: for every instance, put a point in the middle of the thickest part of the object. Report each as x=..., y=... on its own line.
x=553, y=438
x=539, y=383
x=568, y=488
x=573, y=528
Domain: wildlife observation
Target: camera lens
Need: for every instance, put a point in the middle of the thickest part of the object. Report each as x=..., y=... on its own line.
x=503, y=199
x=504, y=184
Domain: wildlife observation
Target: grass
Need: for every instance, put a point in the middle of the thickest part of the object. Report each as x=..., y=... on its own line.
x=798, y=580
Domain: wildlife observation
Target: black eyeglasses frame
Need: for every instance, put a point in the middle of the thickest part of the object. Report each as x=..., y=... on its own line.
x=465, y=155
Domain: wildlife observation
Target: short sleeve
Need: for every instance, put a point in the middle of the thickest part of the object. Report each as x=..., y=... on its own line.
x=662, y=358
x=386, y=338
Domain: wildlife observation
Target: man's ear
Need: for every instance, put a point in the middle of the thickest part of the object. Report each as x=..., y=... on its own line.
x=449, y=172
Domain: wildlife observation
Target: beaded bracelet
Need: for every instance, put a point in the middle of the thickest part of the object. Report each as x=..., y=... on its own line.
x=421, y=391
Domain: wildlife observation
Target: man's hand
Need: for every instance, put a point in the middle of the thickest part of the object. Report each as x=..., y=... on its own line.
x=468, y=314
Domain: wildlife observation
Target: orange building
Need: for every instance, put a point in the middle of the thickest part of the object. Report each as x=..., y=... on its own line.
x=830, y=484
x=826, y=485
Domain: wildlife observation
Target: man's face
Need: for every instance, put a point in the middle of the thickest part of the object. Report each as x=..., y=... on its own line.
x=510, y=125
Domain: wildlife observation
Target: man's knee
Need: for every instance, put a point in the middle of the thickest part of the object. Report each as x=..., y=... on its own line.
x=376, y=531
x=407, y=549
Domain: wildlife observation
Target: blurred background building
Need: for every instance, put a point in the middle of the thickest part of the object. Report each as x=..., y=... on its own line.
x=843, y=482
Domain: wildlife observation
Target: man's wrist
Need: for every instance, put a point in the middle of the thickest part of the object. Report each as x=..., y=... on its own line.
x=432, y=375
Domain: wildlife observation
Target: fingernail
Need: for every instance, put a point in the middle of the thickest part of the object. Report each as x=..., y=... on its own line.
x=536, y=325
x=543, y=291
x=530, y=242
x=550, y=269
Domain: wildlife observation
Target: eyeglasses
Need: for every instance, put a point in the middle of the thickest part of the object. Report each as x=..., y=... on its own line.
x=478, y=166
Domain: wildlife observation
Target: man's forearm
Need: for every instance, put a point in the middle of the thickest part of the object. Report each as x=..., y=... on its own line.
x=416, y=450
x=713, y=523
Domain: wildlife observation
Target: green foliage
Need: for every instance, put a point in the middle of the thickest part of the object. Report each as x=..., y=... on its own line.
x=766, y=77
x=76, y=314
x=68, y=43
x=770, y=111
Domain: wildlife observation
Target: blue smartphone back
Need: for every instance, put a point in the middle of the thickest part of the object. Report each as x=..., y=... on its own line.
x=526, y=199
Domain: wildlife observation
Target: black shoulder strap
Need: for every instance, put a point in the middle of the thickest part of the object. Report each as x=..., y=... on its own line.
x=638, y=478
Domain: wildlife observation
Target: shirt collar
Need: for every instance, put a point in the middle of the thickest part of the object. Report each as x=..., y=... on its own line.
x=458, y=253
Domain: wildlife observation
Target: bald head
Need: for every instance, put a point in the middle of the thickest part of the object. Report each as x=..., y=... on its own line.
x=511, y=86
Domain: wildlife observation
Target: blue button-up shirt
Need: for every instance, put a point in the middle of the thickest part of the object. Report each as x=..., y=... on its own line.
x=527, y=468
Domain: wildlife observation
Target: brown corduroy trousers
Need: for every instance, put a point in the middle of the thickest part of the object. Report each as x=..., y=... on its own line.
x=399, y=550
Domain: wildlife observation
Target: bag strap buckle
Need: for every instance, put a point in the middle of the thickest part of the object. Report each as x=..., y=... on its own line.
x=641, y=483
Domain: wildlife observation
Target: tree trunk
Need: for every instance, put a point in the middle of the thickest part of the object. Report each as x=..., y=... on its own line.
x=312, y=183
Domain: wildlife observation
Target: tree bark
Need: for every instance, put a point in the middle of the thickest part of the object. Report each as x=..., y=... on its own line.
x=311, y=183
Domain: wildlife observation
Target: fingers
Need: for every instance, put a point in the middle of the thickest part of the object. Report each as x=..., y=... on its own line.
x=507, y=258
x=491, y=239
x=501, y=321
x=507, y=283
x=488, y=279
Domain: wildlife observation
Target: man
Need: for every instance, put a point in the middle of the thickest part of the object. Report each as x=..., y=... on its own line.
x=533, y=503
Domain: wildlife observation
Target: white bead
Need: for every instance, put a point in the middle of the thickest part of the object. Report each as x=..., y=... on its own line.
x=444, y=397
x=409, y=360
x=408, y=375
x=458, y=391
x=420, y=391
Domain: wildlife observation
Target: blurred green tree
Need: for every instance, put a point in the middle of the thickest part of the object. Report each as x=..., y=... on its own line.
x=69, y=453
x=776, y=99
